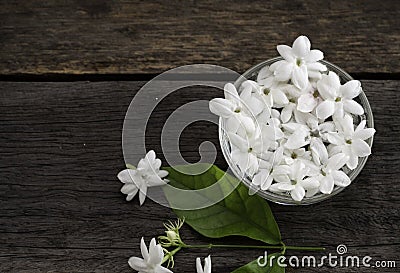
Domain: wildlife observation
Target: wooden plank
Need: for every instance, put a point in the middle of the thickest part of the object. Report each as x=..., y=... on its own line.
x=118, y=36
x=60, y=205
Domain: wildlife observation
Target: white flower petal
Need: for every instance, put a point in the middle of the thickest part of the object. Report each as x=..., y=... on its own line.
x=267, y=82
x=351, y=89
x=247, y=123
x=199, y=268
x=242, y=159
x=260, y=177
x=156, y=253
x=284, y=186
x=230, y=92
x=160, y=269
x=279, y=97
x=254, y=106
x=298, y=193
x=364, y=134
x=232, y=124
x=353, y=162
x=286, y=52
x=341, y=179
x=360, y=148
x=327, y=184
x=310, y=183
x=207, y=264
x=306, y=103
x=328, y=86
x=144, y=250
x=325, y=109
x=126, y=176
x=314, y=56
x=221, y=107
x=284, y=71
x=312, y=192
x=274, y=66
x=347, y=125
x=300, y=76
x=131, y=195
x=267, y=183
x=137, y=264
x=316, y=67
x=296, y=141
x=129, y=188
x=142, y=194
x=353, y=107
x=314, y=75
x=337, y=161
x=264, y=72
x=239, y=142
x=318, y=151
x=301, y=46
x=162, y=173
x=287, y=111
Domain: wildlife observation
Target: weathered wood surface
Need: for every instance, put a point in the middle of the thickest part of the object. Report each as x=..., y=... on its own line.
x=101, y=36
x=61, y=209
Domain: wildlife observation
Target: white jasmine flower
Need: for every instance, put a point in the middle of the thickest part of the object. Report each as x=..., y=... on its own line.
x=331, y=174
x=237, y=109
x=270, y=169
x=271, y=132
x=299, y=63
x=298, y=135
x=291, y=155
x=152, y=259
x=265, y=76
x=291, y=109
x=309, y=99
x=245, y=152
x=349, y=141
x=147, y=174
x=318, y=151
x=298, y=184
x=272, y=93
x=207, y=265
x=338, y=98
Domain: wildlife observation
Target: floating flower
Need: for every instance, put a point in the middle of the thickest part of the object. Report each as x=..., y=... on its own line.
x=152, y=259
x=147, y=174
x=299, y=64
x=207, y=265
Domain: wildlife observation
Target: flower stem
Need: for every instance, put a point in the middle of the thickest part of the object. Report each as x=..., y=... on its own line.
x=305, y=248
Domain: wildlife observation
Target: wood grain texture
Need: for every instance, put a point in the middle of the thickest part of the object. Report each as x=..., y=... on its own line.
x=101, y=36
x=61, y=209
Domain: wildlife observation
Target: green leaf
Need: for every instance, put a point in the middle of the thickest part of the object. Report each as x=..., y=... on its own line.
x=253, y=266
x=238, y=214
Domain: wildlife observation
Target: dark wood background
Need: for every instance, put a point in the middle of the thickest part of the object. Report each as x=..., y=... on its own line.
x=69, y=70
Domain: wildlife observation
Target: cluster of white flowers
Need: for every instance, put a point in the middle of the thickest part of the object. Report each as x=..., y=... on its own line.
x=292, y=129
x=147, y=174
x=153, y=258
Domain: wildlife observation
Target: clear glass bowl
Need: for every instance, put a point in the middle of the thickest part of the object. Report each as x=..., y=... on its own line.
x=283, y=198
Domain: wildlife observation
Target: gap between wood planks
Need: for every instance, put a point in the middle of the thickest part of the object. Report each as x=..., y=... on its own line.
x=56, y=77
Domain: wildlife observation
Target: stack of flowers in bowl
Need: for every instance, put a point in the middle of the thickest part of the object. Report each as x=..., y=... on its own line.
x=296, y=129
